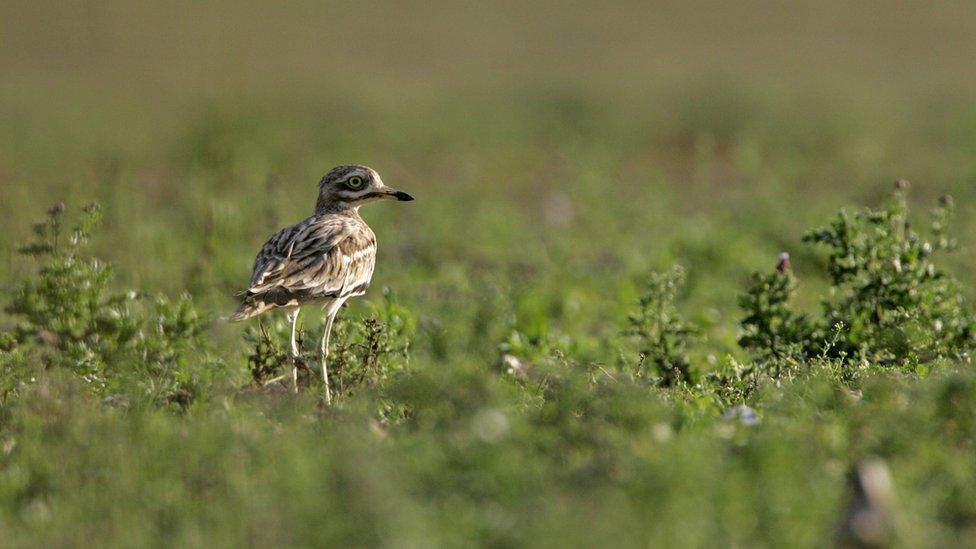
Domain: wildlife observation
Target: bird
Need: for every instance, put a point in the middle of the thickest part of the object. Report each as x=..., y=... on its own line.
x=323, y=260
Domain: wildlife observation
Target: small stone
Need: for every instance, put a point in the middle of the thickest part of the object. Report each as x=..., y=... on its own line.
x=490, y=425
x=661, y=432
x=745, y=415
x=866, y=521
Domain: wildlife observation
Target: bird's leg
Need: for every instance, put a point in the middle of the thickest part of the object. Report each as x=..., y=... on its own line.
x=325, y=353
x=293, y=318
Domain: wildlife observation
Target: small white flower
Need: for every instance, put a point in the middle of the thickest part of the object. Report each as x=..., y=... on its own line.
x=513, y=365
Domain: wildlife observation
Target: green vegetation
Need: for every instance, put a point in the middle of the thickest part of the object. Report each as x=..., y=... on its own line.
x=531, y=366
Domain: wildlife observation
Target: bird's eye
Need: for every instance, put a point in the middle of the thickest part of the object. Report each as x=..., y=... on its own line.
x=355, y=183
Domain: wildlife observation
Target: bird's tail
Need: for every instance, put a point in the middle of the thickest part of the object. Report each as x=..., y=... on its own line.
x=251, y=305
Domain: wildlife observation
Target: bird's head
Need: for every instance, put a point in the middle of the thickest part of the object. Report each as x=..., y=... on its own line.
x=352, y=186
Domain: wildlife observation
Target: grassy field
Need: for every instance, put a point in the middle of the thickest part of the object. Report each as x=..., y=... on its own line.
x=512, y=378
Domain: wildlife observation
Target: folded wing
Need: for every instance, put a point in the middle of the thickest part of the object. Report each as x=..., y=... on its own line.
x=321, y=257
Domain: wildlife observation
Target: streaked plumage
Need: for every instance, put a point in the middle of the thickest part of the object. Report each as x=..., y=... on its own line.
x=325, y=259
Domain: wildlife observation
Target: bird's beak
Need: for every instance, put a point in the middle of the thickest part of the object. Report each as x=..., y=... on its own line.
x=399, y=195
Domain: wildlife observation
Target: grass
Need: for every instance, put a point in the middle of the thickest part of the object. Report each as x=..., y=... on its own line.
x=493, y=387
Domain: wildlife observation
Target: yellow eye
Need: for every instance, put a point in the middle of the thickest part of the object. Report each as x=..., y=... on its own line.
x=355, y=183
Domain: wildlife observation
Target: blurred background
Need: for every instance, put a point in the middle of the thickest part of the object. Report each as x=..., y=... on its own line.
x=559, y=152
x=548, y=142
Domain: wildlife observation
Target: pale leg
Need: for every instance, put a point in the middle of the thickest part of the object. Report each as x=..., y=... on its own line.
x=330, y=310
x=293, y=318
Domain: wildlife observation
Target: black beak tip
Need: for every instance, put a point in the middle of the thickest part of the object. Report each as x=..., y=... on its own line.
x=402, y=196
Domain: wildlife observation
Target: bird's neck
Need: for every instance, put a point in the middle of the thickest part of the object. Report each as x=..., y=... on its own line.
x=340, y=208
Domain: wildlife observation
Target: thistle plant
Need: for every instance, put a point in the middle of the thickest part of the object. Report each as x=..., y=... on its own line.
x=770, y=328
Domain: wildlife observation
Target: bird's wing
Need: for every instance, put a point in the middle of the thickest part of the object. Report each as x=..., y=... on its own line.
x=304, y=257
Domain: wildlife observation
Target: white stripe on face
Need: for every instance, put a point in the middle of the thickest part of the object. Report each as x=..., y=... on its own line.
x=349, y=195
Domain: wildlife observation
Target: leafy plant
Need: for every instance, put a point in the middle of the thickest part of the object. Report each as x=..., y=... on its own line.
x=771, y=329
x=16, y=367
x=171, y=352
x=68, y=316
x=898, y=307
x=363, y=352
x=662, y=335
x=889, y=304
x=370, y=351
x=268, y=349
